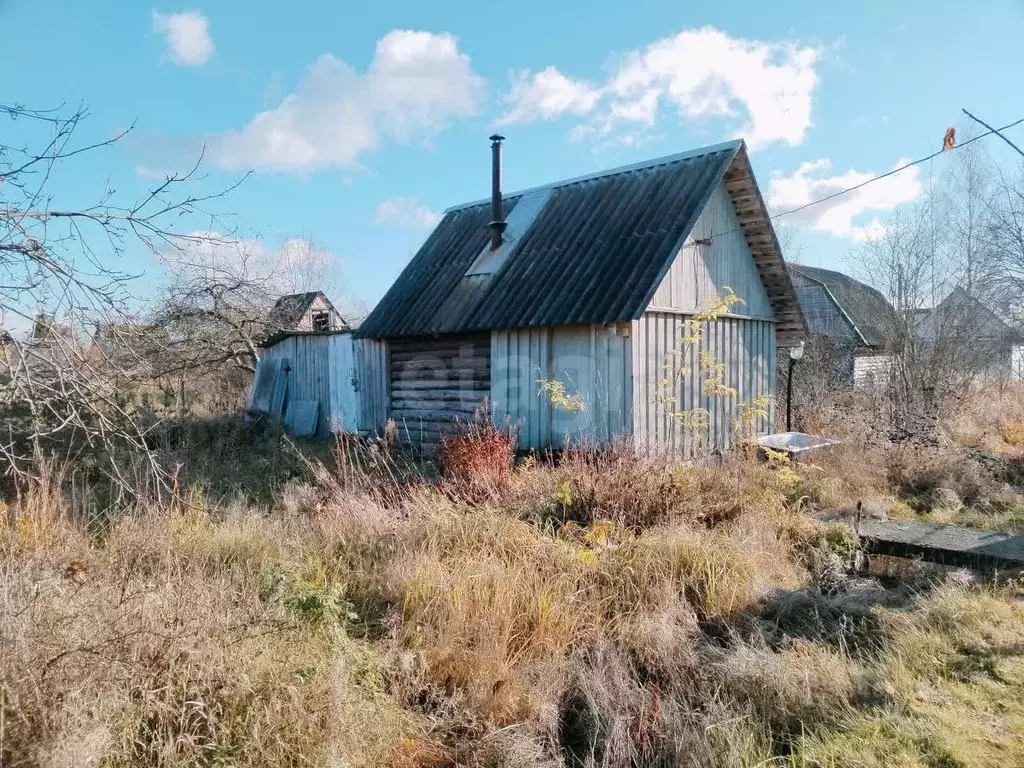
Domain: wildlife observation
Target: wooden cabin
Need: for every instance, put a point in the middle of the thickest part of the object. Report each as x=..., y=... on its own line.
x=564, y=308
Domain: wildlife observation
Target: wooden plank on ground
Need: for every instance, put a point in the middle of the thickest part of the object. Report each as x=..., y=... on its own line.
x=264, y=383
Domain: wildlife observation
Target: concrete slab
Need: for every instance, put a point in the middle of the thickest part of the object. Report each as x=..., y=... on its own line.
x=945, y=544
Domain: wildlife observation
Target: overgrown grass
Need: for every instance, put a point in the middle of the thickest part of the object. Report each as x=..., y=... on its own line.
x=604, y=611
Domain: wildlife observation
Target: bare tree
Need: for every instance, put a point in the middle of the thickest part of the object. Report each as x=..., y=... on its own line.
x=970, y=194
x=1005, y=241
x=216, y=309
x=792, y=245
x=942, y=263
x=218, y=305
x=306, y=265
x=64, y=262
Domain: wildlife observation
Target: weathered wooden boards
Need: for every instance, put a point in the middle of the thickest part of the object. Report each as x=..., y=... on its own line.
x=944, y=544
x=269, y=387
x=300, y=418
x=437, y=383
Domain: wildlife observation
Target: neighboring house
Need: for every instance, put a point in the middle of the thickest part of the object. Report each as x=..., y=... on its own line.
x=848, y=321
x=577, y=293
x=309, y=311
x=975, y=335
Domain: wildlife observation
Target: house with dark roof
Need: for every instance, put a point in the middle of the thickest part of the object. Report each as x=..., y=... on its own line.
x=566, y=309
x=973, y=335
x=308, y=311
x=849, y=322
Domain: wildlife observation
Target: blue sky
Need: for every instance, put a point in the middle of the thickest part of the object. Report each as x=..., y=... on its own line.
x=362, y=121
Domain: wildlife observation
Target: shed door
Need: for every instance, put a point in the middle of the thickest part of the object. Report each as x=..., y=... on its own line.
x=437, y=383
x=344, y=402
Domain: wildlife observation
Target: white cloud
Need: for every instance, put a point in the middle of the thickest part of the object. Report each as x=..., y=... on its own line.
x=406, y=212
x=187, y=36
x=762, y=89
x=547, y=94
x=840, y=216
x=417, y=83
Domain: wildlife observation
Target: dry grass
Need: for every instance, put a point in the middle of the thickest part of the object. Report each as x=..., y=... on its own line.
x=608, y=611
x=172, y=643
x=991, y=419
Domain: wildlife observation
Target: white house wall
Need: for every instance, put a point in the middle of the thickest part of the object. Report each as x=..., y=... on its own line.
x=872, y=369
x=668, y=383
x=592, y=363
x=701, y=272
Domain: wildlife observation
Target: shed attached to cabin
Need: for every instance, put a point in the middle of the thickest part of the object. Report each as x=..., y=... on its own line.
x=325, y=375
x=565, y=309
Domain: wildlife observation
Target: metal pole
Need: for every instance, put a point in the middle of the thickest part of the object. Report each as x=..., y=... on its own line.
x=789, y=396
x=497, y=211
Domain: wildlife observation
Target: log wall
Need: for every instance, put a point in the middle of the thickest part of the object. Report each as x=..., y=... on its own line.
x=437, y=383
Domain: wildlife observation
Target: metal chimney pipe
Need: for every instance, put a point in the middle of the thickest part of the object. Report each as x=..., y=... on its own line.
x=497, y=224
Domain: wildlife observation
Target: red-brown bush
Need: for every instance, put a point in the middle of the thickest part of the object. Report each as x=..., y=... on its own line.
x=479, y=459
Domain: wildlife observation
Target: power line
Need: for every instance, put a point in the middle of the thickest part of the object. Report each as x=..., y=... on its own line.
x=995, y=131
x=894, y=171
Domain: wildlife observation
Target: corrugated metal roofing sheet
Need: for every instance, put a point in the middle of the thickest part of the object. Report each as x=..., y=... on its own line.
x=594, y=253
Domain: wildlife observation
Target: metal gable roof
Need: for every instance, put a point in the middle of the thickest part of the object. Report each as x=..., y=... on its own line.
x=594, y=253
x=864, y=307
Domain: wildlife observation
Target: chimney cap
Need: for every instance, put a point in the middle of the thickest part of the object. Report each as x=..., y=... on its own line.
x=496, y=137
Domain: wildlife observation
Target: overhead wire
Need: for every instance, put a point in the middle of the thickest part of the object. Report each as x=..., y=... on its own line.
x=893, y=172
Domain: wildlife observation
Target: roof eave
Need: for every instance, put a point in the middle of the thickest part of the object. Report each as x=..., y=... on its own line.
x=749, y=206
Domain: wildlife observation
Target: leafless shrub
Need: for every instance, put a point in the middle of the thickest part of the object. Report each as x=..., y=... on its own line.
x=59, y=272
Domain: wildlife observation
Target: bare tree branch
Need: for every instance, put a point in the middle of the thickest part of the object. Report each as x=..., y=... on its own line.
x=60, y=269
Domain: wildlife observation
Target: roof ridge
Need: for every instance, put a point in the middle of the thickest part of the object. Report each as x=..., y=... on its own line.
x=807, y=268
x=734, y=145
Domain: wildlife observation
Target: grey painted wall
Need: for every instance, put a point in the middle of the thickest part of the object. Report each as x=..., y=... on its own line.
x=593, y=364
x=701, y=272
x=661, y=393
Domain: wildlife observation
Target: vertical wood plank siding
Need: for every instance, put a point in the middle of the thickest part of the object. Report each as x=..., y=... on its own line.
x=701, y=272
x=746, y=347
x=370, y=357
x=343, y=408
x=593, y=363
x=348, y=378
x=309, y=372
x=436, y=383
x=519, y=361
